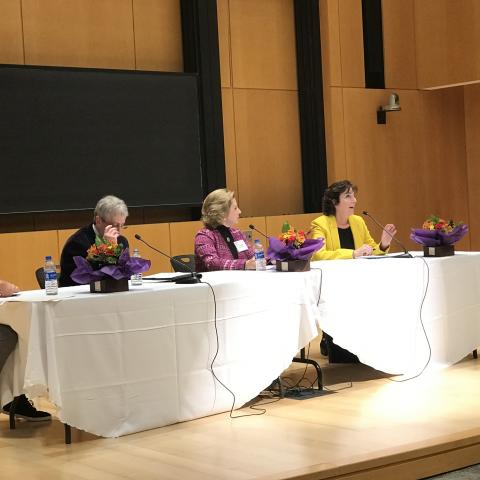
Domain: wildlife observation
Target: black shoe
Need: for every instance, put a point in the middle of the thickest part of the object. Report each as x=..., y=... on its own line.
x=324, y=346
x=25, y=409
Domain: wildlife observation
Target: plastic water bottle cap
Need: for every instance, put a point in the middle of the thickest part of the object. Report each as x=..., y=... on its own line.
x=48, y=258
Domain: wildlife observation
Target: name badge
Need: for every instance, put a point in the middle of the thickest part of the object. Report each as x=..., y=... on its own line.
x=241, y=245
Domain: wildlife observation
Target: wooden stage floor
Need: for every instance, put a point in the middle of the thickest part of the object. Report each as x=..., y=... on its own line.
x=373, y=429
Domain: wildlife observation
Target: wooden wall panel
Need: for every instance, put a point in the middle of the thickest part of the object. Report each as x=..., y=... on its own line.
x=448, y=42
x=80, y=33
x=157, y=235
x=223, y=16
x=399, y=44
x=443, y=142
x=410, y=167
x=379, y=160
x=258, y=223
x=263, y=44
x=11, y=35
x=332, y=91
x=229, y=141
x=63, y=236
x=268, y=152
x=330, y=41
x=22, y=253
x=158, y=35
x=472, y=122
x=182, y=237
x=351, y=43
x=335, y=134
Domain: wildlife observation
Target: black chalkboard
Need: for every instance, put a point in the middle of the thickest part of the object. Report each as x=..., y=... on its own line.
x=68, y=136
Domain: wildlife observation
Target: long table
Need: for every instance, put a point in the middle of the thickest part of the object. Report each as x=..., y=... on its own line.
x=401, y=315
x=120, y=363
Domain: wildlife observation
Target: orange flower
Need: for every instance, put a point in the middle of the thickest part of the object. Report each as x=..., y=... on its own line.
x=291, y=236
x=434, y=222
x=104, y=252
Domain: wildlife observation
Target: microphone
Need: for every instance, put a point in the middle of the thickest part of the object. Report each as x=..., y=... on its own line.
x=406, y=253
x=258, y=231
x=191, y=277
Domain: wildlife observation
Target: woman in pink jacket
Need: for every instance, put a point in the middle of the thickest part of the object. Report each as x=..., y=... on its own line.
x=220, y=246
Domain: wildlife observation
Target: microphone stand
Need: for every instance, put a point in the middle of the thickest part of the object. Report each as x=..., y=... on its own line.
x=406, y=253
x=258, y=231
x=187, y=278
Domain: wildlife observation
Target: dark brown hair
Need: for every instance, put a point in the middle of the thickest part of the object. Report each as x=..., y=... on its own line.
x=332, y=195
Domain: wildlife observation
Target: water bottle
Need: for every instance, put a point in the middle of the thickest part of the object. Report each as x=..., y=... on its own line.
x=136, y=278
x=50, y=272
x=260, y=263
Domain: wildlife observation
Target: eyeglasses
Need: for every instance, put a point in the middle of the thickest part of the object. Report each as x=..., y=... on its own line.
x=118, y=226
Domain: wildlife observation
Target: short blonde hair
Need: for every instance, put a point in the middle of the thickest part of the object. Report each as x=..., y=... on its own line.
x=216, y=207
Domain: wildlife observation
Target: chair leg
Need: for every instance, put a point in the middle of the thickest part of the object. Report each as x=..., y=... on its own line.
x=475, y=354
x=278, y=381
x=273, y=386
x=281, y=391
x=68, y=433
x=11, y=414
x=304, y=359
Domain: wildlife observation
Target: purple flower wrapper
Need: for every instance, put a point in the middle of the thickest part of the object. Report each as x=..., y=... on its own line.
x=126, y=267
x=434, y=238
x=279, y=251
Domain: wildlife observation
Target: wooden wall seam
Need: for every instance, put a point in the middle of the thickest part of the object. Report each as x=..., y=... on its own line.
x=21, y=24
x=344, y=136
x=234, y=125
x=230, y=46
x=133, y=37
x=415, y=49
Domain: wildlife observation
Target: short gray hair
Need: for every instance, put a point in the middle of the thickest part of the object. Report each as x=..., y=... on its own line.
x=109, y=206
x=216, y=206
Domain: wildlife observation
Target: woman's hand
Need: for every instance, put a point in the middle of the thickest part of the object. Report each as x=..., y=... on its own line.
x=250, y=264
x=7, y=289
x=364, y=250
x=387, y=234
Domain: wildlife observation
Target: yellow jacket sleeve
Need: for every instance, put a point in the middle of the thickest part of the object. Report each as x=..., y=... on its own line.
x=326, y=227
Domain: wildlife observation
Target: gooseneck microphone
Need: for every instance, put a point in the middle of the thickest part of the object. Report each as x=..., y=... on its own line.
x=406, y=253
x=191, y=277
x=258, y=231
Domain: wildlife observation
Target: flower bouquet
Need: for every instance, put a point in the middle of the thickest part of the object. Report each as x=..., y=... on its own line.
x=437, y=236
x=108, y=267
x=292, y=250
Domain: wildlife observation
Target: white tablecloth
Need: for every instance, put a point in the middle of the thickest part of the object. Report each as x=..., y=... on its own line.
x=120, y=363
x=373, y=308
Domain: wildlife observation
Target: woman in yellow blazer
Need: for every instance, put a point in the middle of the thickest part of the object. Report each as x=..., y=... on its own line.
x=346, y=235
